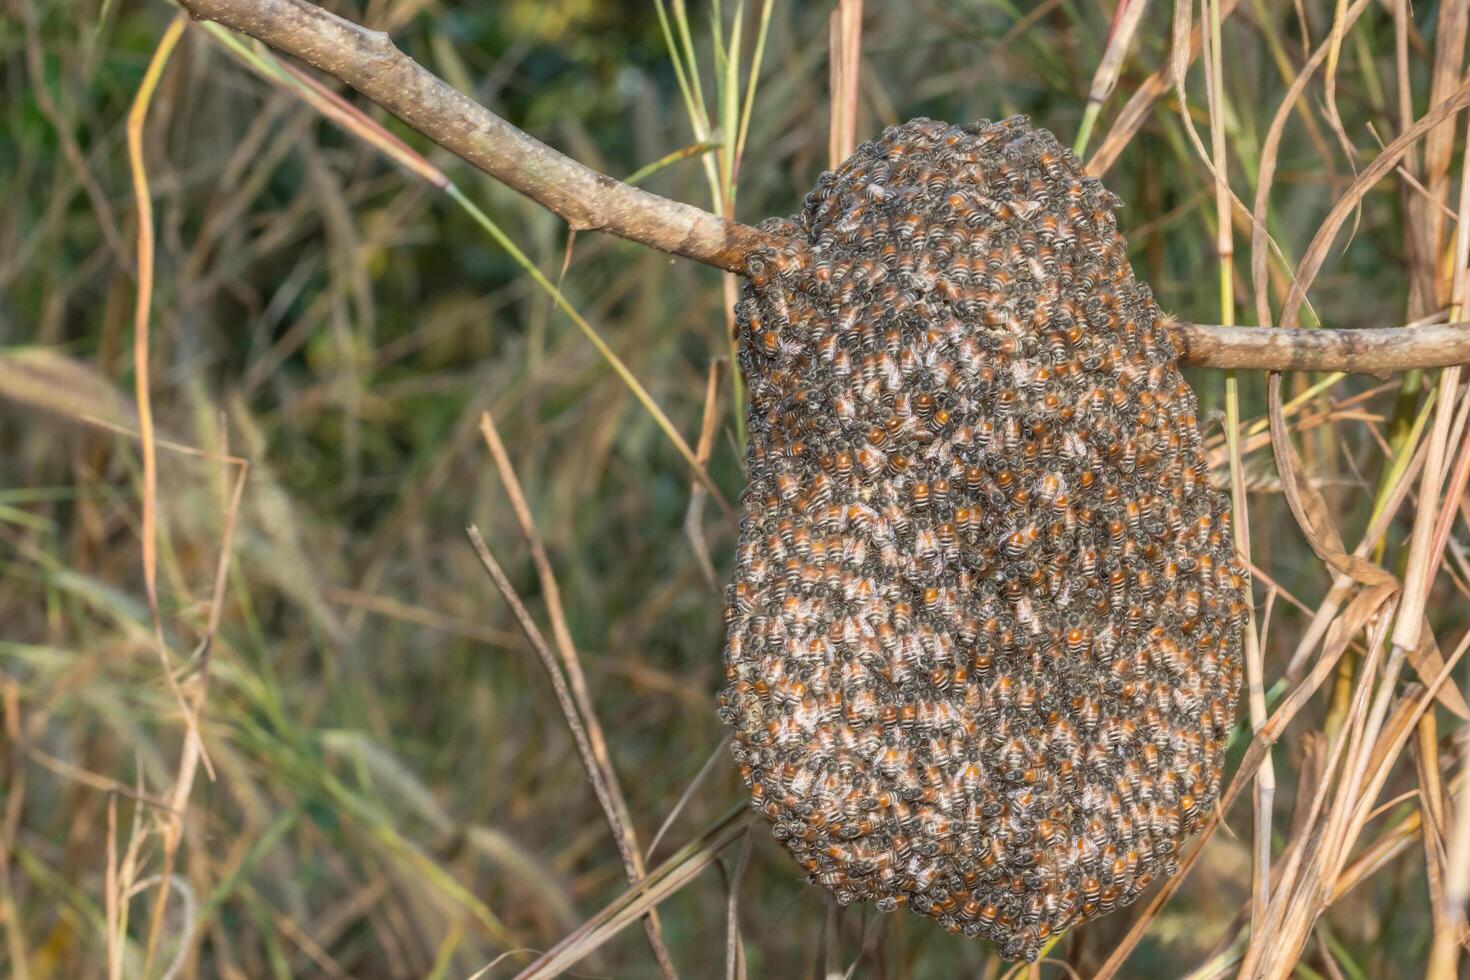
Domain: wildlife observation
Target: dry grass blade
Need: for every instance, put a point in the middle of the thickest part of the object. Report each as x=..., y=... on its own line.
x=734, y=942
x=618, y=817
x=1287, y=919
x=1449, y=913
x=1413, y=711
x=1133, y=115
x=1450, y=921
x=1270, y=157
x=688, y=794
x=1432, y=815
x=46, y=379
x=109, y=903
x=1126, y=18
x=845, y=34
x=662, y=882
x=1307, y=505
x=1458, y=480
x=1265, y=796
x=1382, y=164
x=829, y=942
x=1322, y=621
x=614, y=361
x=1340, y=25
x=143, y=198
x=122, y=874
x=1446, y=75
x=408, y=613
x=693, y=516
x=565, y=701
x=1423, y=560
x=142, y=319
x=360, y=124
x=15, y=939
x=1427, y=660
x=331, y=105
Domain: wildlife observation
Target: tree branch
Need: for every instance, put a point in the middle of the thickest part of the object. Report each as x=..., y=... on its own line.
x=1373, y=350
x=369, y=62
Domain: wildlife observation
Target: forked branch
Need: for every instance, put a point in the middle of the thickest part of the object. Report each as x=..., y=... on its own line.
x=369, y=62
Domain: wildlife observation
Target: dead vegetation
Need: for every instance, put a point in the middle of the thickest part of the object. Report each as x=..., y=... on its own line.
x=264, y=712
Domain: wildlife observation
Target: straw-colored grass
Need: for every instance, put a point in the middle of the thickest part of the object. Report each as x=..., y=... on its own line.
x=267, y=354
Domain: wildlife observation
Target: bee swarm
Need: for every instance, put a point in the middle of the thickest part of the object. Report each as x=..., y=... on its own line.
x=984, y=630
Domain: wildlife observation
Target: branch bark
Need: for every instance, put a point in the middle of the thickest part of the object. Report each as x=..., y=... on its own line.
x=369, y=62
x=1373, y=350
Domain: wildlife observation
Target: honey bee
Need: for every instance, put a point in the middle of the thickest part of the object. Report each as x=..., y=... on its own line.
x=975, y=482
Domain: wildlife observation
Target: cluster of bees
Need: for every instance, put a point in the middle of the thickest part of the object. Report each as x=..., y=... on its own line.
x=984, y=629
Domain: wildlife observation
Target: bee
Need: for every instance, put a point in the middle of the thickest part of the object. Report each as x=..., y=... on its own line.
x=945, y=532
x=1049, y=487
x=962, y=590
x=1134, y=619
x=1019, y=541
x=1129, y=459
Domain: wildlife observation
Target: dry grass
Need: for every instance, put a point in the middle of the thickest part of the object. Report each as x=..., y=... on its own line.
x=263, y=715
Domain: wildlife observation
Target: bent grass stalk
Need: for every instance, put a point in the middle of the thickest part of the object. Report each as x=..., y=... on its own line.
x=355, y=121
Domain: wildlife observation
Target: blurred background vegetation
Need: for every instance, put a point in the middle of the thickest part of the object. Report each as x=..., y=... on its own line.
x=391, y=790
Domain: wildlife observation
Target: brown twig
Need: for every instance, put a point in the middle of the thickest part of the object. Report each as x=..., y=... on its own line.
x=369, y=62
x=1373, y=350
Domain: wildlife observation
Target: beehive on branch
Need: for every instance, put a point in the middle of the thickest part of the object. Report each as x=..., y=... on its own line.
x=985, y=623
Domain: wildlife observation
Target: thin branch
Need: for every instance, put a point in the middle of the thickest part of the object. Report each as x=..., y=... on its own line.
x=1372, y=350
x=369, y=62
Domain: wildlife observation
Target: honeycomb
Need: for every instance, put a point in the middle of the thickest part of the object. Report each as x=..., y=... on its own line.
x=984, y=629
